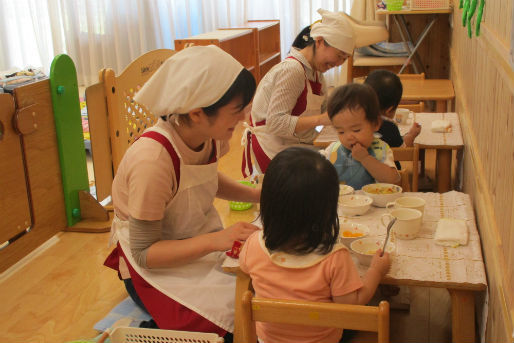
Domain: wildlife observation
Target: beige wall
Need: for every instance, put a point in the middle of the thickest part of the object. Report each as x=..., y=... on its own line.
x=484, y=86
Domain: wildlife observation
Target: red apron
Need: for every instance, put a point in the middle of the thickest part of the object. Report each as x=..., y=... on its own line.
x=261, y=146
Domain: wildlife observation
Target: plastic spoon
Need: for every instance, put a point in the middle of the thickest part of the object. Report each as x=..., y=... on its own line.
x=387, y=235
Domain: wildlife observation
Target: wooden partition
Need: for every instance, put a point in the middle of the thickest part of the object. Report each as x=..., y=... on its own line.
x=484, y=87
x=29, y=116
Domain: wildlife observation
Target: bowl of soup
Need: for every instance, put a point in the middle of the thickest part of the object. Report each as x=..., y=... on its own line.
x=354, y=204
x=365, y=248
x=382, y=193
x=349, y=231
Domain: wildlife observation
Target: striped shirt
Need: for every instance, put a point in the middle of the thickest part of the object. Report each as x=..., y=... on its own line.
x=278, y=92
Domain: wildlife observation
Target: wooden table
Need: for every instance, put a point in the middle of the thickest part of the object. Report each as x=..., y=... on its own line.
x=439, y=90
x=421, y=262
x=443, y=143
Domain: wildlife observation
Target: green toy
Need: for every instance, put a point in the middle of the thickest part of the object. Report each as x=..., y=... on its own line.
x=68, y=126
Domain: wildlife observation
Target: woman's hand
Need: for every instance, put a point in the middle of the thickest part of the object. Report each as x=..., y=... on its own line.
x=224, y=239
x=324, y=119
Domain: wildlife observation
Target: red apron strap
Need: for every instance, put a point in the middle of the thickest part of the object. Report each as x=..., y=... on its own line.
x=214, y=153
x=301, y=102
x=167, y=145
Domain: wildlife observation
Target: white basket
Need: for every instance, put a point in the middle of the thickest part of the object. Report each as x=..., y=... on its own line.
x=140, y=335
x=429, y=4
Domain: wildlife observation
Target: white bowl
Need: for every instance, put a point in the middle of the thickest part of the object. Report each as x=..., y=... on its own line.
x=365, y=248
x=354, y=204
x=376, y=192
x=349, y=231
x=345, y=190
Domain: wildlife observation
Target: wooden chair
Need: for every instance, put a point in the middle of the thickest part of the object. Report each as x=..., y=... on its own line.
x=343, y=316
x=408, y=154
x=115, y=119
x=414, y=106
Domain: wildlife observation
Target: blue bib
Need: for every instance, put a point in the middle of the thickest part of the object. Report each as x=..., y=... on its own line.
x=351, y=171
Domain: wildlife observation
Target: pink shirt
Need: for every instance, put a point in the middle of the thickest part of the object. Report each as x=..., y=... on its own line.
x=336, y=275
x=145, y=181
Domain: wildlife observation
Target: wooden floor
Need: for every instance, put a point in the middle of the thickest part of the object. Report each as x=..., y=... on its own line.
x=58, y=295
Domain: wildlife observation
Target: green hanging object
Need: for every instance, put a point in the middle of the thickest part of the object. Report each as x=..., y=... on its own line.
x=479, y=17
x=465, y=12
x=471, y=11
x=461, y=3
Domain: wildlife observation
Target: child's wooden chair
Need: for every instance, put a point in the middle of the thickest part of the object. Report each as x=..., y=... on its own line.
x=115, y=119
x=414, y=106
x=343, y=316
x=408, y=154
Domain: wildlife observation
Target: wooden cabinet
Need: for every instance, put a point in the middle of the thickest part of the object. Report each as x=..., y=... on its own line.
x=256, y=44
x=237, y=42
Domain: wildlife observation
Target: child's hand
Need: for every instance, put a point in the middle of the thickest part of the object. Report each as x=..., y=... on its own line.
x=359, y=152
x=415, y=130
x=381, y=263
x=238, y=232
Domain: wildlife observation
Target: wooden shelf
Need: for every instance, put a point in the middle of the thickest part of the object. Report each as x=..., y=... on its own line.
x=256, y=44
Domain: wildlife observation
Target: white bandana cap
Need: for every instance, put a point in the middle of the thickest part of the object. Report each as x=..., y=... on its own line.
x=336, y=29
x=195, y=77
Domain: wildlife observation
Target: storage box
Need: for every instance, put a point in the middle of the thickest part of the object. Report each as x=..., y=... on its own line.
x=429, y=4
x=140, y=335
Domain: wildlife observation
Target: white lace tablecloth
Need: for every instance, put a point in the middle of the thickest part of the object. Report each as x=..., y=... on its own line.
x=430, y=139
x=426, y=138
x=422, y=262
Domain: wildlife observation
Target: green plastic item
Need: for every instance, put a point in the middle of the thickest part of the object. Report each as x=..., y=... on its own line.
x=239, y=205
x=70, y=141
x=394, y=5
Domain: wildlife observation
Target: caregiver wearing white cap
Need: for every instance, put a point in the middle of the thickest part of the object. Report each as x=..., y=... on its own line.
x=288, y=103
x=171, y=241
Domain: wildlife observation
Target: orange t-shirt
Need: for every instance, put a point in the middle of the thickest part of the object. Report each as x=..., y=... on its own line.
x=336, y=275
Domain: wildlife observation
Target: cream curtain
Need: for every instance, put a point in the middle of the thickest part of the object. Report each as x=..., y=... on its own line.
x=110, y=33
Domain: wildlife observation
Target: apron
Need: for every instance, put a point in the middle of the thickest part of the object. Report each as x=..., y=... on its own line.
x=261, y=146
x=200, y=285
x=351, y=171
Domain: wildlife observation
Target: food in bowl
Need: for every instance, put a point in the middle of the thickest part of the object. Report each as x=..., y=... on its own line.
x=365, y=248
x=349, y=231
x=382, y=193
x=354, y=204
x=345, y=190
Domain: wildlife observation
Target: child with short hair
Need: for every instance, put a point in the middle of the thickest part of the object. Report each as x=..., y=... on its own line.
x=389, y=89
x=361, y=157
x=297, y=254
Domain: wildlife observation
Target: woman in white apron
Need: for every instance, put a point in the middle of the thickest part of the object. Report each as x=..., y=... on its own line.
x=288, y=103
x=170, y=239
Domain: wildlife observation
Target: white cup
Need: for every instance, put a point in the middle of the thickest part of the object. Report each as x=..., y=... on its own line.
x=415, y=203
x=402, y=115
x=408, y=222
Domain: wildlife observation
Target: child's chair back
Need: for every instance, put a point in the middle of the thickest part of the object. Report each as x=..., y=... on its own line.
x=127, y=118
x=408, y=154
x=414, y=106
x=343, y=316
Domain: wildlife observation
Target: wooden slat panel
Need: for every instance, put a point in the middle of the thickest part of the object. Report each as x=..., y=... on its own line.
x=44, y=174
x=484, y=85
x=14, y=202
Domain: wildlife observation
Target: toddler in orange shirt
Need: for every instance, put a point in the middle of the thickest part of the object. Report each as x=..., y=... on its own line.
x=297, y=255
